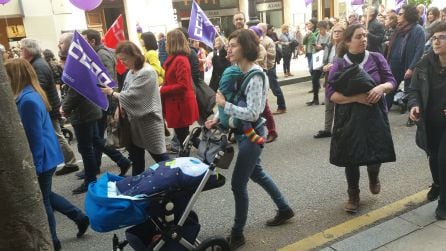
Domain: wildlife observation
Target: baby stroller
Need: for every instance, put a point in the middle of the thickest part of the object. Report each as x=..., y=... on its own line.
x=158, y=203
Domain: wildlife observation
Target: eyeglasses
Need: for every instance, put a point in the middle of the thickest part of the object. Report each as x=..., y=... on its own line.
x=401, y=13
x=439, y=37
x=337, y=31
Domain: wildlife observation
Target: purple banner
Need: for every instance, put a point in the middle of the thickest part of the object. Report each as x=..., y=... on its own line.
x=357, y=2
x=307, y=2
x=399, y=4
x=200, y=28
x=84, y=71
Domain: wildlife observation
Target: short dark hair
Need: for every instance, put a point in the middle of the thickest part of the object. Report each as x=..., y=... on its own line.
x=184, y=31
x=149, y=41
x=440, y=27
x=133, y=51
x=249, y=43
x=92, y=34
x=410, y=13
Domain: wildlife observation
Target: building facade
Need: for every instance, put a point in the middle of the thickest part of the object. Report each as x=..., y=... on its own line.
x=45, y=20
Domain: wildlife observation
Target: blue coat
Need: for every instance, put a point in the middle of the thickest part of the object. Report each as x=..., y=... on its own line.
x=39, y=130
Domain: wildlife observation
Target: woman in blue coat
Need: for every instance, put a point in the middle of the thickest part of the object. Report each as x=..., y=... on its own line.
x=33, y=106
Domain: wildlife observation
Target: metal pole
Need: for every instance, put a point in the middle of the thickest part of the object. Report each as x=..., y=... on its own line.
x=252, y=10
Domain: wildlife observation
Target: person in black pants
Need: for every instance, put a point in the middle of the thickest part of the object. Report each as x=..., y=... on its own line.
x=427, y=105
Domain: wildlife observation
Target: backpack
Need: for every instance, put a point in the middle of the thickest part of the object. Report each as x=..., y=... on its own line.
x=233, y=86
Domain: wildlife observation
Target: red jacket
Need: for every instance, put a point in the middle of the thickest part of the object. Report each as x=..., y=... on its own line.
x=178, y=96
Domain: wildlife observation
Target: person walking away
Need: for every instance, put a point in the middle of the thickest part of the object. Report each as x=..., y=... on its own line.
x=243, y=51
x=151, y=57
x=30, y=50
x=33, y=106
x=180, y=107
x=427, y=106
x=351, y=144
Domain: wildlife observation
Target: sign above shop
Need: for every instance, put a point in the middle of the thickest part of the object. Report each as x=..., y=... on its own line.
x=221, y=13
x=269, y=6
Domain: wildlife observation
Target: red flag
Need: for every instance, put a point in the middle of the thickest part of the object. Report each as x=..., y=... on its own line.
x=112, y=37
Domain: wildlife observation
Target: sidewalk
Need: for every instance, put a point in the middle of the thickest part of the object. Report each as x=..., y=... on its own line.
x=298, y=67
x=415, y=230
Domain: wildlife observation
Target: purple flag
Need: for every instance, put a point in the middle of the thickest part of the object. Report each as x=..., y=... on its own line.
x=307, y=2
x=399, y=4
x=84, y=71
x=200, y=28
x=357, y=2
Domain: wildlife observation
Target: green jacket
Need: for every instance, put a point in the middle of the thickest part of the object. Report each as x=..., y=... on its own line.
x=309, y=41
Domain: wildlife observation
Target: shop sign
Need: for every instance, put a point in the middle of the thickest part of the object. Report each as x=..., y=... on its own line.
x=221, y=13
x=269, y=6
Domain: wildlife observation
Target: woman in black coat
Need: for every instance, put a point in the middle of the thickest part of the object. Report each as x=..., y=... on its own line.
x=219, y=62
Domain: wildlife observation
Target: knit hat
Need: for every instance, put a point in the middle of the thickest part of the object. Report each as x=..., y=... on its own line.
x=257, y=31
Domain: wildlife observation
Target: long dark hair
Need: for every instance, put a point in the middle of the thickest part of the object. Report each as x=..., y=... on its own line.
x=348, y=35
x=149, y=41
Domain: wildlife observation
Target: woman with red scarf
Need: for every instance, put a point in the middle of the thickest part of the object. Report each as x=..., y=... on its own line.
x=406, y=47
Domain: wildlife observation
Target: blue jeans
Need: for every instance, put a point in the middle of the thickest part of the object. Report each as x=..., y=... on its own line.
x=247, y=167
x=89, y=145
x=112, y=153
x=55, y=202
x=45, y=182
x=310, y=61
x=275, y=88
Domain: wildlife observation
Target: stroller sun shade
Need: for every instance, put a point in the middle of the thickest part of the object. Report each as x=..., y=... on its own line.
x=115, y=202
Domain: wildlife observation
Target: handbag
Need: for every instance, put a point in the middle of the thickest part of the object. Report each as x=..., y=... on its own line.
x=205, y=99
x=212, y=142
x=118, y=131
x=318, y=60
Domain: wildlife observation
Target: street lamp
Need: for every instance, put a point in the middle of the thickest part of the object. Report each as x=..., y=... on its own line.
x=252, y=11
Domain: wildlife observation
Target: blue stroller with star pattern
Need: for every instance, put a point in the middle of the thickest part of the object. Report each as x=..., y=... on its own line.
x=158, y=203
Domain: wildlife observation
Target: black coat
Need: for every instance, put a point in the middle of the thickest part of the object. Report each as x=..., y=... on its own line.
x=361, y=133
x=219, y=64
x=375, y=36
x=46, y=80
x=418, y=94
x=80, y=109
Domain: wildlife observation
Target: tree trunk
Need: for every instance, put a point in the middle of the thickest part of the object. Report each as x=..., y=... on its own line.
x=23, y=221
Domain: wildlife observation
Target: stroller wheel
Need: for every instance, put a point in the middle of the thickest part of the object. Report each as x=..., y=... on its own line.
x=67, y=134
x=214, y=244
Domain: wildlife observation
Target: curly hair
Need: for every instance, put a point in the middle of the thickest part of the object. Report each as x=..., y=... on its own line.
x=410, y=14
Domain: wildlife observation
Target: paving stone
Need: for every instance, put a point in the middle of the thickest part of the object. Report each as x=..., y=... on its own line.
x=376, y=236
x=430, y=238
x=441, y=223
x=327, y=249
x=421, y=216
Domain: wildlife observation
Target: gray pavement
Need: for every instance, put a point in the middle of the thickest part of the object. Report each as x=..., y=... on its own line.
x=415, y=230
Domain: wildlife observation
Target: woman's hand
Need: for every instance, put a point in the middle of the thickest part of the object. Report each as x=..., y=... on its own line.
x=107, y=90
x=362, y=99
x=209, y=124
x=220, y=99
x=414, y=113
x=375, y=94
x=327, y=67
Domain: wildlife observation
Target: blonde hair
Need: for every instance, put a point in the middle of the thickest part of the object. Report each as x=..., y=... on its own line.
x=284, y=27
x=222, y=40
x=21, y=73
x=176, y=43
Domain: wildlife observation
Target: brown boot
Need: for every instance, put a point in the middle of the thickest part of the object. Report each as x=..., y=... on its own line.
x=352, y=204
x=374, y=184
